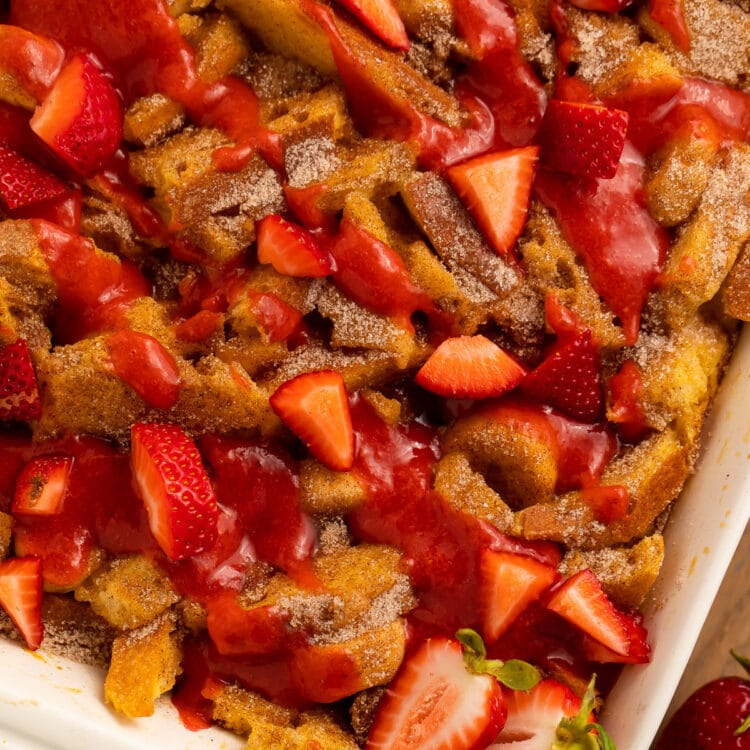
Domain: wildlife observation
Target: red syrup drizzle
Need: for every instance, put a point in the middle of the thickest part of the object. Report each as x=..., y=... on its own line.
x=500, y=91
x=94, y=291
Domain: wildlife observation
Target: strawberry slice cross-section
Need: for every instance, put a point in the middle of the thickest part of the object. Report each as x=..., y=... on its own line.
x=80, y=119
x=495, y=188
x=581, y=600
x=21, y=596
x=41, y=486
x=173, y=484
x=290, y=248
x=382, y=18
x=447, y=696
x=583, y=139
x=19, y=395
x=315, y=407
x=470, y=367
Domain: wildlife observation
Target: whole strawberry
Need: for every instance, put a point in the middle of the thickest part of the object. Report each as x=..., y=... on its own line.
x=715, y=717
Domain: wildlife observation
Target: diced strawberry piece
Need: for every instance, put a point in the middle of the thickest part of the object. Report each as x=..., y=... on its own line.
x=42, y=485
x=671, y=15
x=276, y=319
x=21, y=596
x=495, y=188
x=34, y=61
x=608, y=6
x=568, y=379
x=19, y=396
x=639, y=651
x=435, y=702
x=469, y=367
x=81, y=117
x=583, y=139
x=198, y=327
x=626, y=407
x=174, y=486
x=382, y=18
x=23, y=183
x=581, y=601
x=534, y=716
x=315, y=407
x=508, y=584
x=146, y=366
x=290, y=249
x=609, y=502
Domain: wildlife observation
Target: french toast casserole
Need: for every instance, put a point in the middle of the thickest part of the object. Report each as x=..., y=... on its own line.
x=352, y=353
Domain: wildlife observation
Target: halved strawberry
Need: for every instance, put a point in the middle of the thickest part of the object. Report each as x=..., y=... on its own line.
x=551, y=717
x=583, y=139
x=581, y=601
x=568, y=379
x=469, y=367
x=290, y=249
x=443, y=699
x=382, y=18
x=315, y=407
x=19, y=396
x=495, y=188
x=80, y=119
x=175, y=489
x=41, y=486
x=21, y=596
x=508, y=584
x=24, y=183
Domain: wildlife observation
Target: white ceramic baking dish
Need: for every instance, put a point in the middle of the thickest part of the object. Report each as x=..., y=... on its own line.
x=50, y=703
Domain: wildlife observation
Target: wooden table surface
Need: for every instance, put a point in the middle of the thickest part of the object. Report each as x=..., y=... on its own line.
x=727, y=626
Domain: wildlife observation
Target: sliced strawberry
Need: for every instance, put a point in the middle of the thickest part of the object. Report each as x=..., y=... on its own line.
x=508, y=584
x=469, y=367
x=175, y=489
x=671, y=15
x=146, y=366
x=581, y=601
x=495, y=188
x=382, y=18
x=435, y=702
x=42, y=485
x=290, y=249
x=639, y=651
x=277, y=320
x=23, y=183
x=608, y=6
x=19, y=396
x=534, y=716
x=626, y=405
x=583, y=139
x=81, y=117
x=552, y=717
x=568, y=379
x=198, y=327
x=21, y=596
x=315, y=407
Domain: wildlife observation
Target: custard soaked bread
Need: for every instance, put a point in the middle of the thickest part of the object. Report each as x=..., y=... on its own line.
x=355, y=351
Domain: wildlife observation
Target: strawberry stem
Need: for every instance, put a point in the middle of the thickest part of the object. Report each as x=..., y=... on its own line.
x=578, y=733
x=514, y=673
x=743, y=660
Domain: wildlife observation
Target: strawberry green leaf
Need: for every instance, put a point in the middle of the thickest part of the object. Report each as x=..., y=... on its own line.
x=744, y=726
x=578, y=733
x=514, y=673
